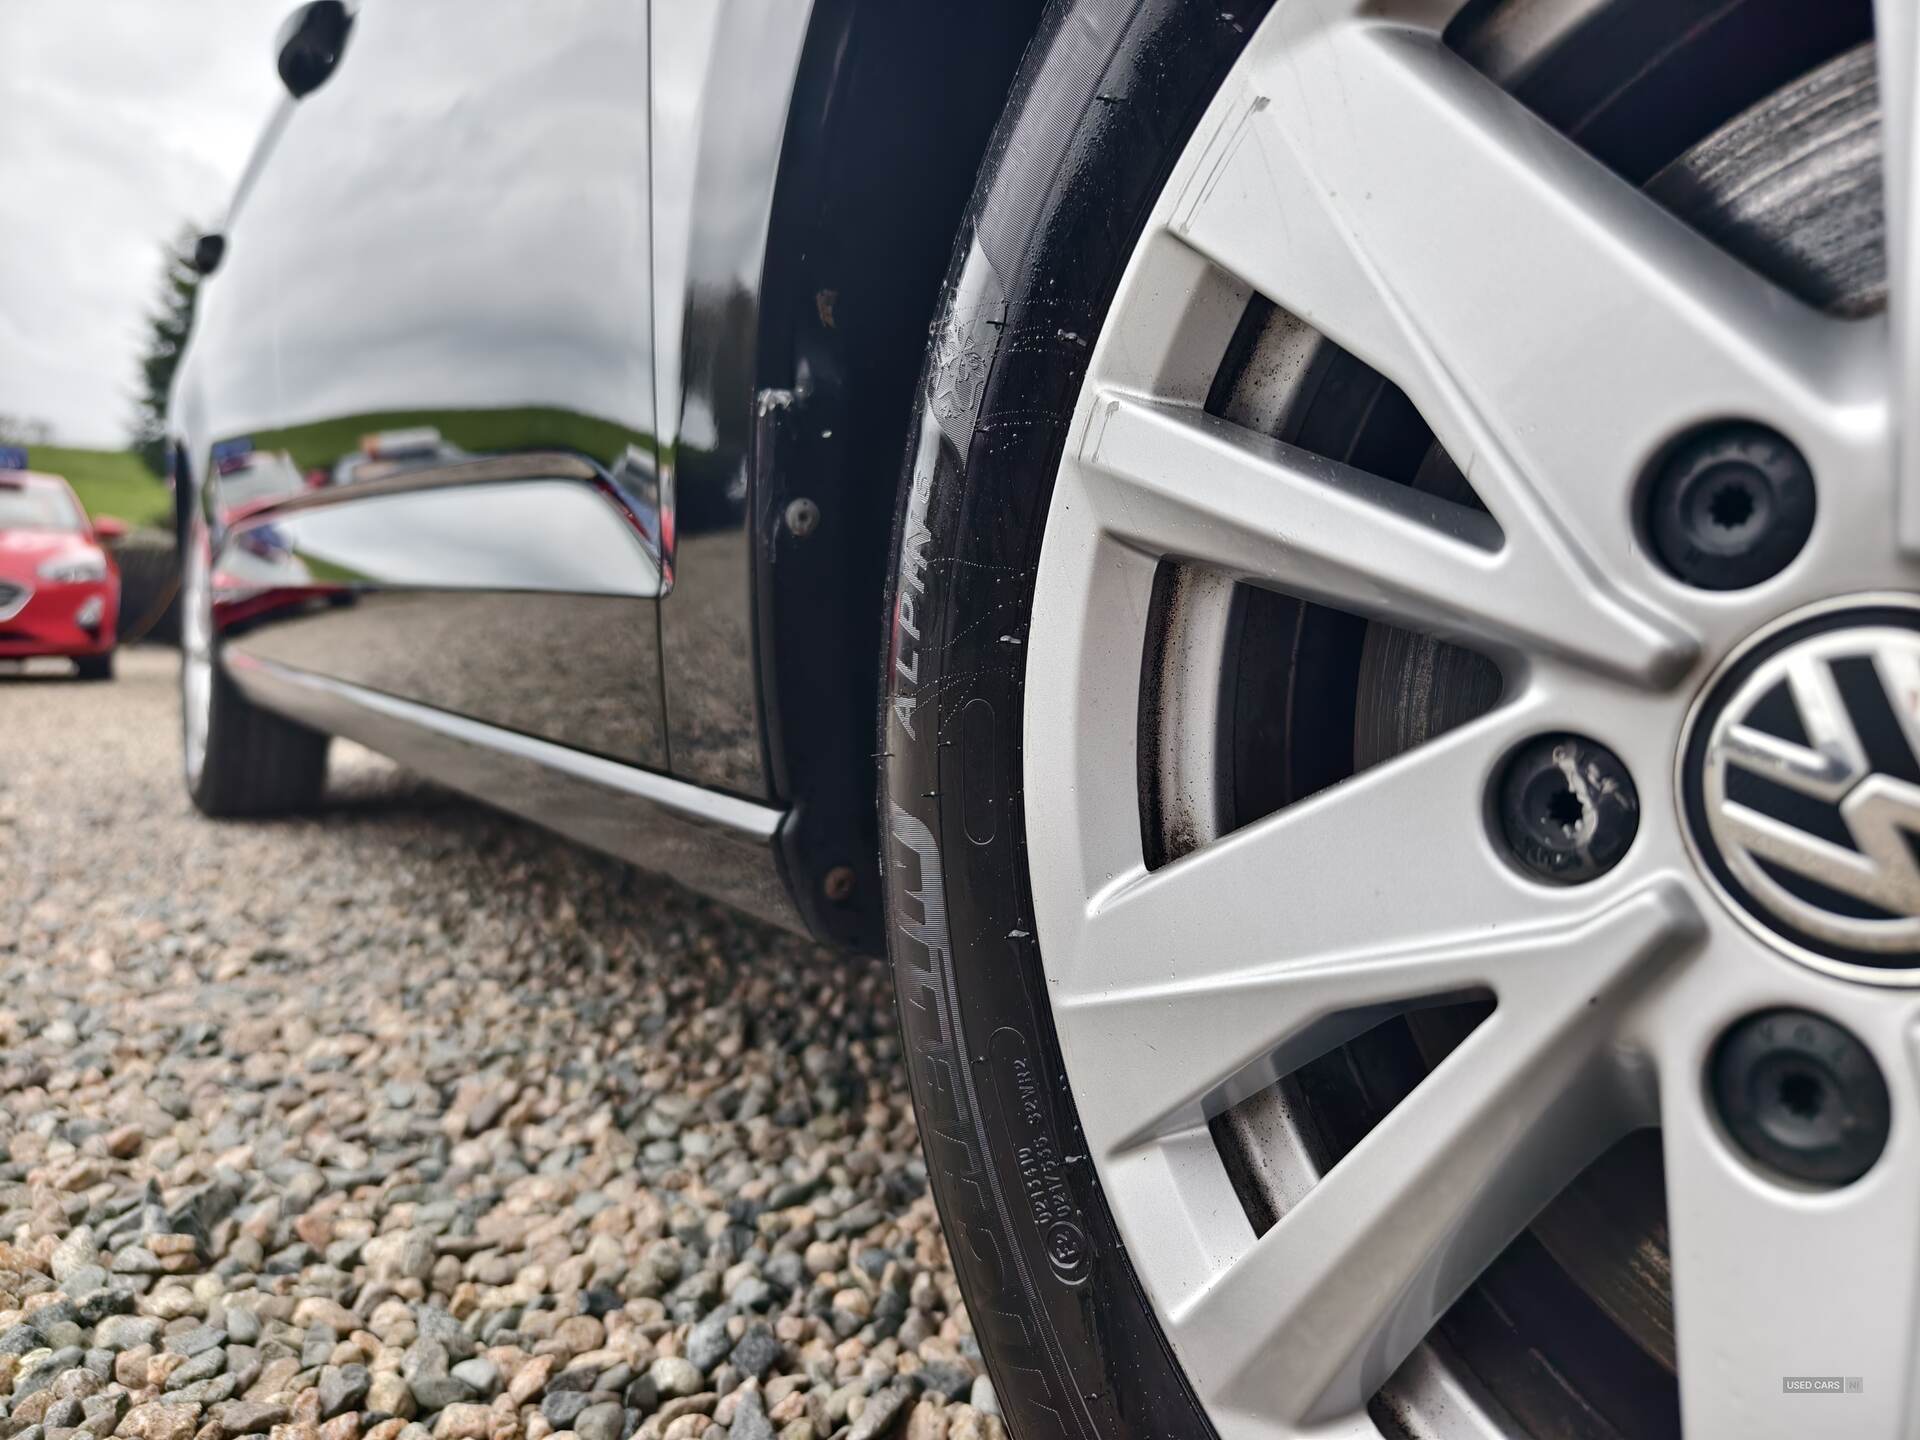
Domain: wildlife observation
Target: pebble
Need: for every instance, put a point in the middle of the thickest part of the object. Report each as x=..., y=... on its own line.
x=676, y=1376
x=600, y=1422
x=479, y=1374
x=160, y=1422
x=343, y=1388
x=389, y=1394
x=750, y=1420
x=983, y=1398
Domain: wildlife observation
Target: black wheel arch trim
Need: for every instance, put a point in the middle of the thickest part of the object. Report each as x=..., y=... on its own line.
x=880, y=155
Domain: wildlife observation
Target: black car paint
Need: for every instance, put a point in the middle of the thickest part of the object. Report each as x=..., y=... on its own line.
x=801, y=178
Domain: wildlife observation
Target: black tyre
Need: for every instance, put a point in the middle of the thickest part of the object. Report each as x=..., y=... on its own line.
x=94, y=667
x=256, y=763
x=1108, y=95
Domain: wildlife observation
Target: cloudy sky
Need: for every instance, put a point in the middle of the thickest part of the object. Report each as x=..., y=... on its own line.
x=120, y=121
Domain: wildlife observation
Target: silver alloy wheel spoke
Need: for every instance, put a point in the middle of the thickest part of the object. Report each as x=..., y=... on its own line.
x=1182, y=484
x=1772, y=1281
x=1354, y=1277
x=1232, y=1024
x=1367, y=180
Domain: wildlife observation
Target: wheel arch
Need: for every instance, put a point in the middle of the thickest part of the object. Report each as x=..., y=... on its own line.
x=892, y=112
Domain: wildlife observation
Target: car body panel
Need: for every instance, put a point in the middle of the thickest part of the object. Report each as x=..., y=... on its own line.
x=499, y=231
x=442, y=254
x=419, y=582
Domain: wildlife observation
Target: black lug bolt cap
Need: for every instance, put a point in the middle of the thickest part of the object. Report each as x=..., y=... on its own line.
x=1567, y=808
x=1801, y=1096
x=1730, y=505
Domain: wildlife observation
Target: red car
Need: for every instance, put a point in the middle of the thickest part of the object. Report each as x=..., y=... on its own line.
x=59, y=587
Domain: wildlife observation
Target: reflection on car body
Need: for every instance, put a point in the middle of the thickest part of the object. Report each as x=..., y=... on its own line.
x=496, y=238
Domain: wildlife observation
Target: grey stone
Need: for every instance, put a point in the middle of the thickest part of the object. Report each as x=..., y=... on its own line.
x=600, y=1422
x=317, y=1346
x=437, y=1324
x=76, y=1252
x=201, y=1367
x=427, y=1360
x=193, y=1342
x=563, y=1407
x=83, y=1282
x=882, y=1409
x=137, y=1260
x=757, y=1353
x=63, y=1415
x=940, y=1378
x=251, y=1417
x=62, y=1334
x=113, y=1298
x=204, y=1392
x=433, y=1393
x=343, y=1388
x=479, y=1373
x=750, y=1420
x=120, y=1332
x=708, y=1342
x=243, y=1326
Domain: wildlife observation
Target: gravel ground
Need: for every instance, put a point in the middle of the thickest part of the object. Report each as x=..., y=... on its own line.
x=410, y=1121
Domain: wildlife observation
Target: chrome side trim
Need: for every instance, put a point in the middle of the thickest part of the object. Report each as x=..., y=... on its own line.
x=718, y=844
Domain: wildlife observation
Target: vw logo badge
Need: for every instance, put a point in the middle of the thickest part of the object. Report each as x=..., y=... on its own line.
x=1801, y=778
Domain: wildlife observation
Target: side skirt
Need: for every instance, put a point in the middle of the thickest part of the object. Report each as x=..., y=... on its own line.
x=718, y=844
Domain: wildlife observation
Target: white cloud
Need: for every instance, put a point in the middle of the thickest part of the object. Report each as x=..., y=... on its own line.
x=120, y=122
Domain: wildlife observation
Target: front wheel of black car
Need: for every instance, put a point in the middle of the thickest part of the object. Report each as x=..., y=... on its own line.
x=1400, y=497
x=238, y=759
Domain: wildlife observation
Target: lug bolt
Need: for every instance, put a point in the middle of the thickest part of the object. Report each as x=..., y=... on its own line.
x=802, y=517
x=1801, y=1096
x=1730, y=505
x=1567, y=808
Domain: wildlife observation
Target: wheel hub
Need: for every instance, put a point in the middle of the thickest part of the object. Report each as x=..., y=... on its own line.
x=1801, y=786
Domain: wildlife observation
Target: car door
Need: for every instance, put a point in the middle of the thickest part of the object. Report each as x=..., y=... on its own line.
x=423, y=397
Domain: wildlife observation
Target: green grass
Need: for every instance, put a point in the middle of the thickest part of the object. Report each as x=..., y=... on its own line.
x=108, y=482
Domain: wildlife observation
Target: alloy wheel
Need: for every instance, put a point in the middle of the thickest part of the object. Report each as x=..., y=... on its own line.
x=1562, y=333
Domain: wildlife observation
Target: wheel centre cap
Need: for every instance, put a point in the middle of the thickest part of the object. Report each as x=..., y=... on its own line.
x=1800, y=779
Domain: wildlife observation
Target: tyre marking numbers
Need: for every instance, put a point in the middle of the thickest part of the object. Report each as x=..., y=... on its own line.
x=928, y=1006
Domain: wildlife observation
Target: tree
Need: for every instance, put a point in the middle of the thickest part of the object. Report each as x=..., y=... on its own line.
x=167, y=327
x=24, y=430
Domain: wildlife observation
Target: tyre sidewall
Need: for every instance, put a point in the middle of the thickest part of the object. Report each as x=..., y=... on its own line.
x=1106, y=100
